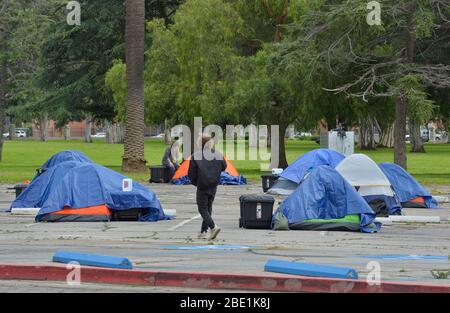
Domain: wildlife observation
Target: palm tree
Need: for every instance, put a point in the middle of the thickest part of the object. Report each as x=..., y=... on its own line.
x=133, y=159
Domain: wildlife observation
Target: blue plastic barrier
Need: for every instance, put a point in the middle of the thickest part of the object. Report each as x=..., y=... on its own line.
x=92, y=260
x=308, y=269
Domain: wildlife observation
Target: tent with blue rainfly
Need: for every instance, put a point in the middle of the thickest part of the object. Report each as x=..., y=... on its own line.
x=410, y=193
x=64, y=156
x=85, y=192
x=292, y=176
x=326, y=201
x=367, y=177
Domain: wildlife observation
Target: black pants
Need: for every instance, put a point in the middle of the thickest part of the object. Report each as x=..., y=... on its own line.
x=205, y=199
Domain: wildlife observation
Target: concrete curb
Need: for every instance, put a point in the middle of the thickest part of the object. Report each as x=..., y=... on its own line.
x=278, y=283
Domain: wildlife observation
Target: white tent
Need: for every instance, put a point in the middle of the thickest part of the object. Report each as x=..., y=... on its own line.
x=362, y=172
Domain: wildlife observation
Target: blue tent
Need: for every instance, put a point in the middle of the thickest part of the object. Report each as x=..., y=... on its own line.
x=325, y=200
x=297, y=170
x=80, y=186
x=64, y=156
x=225, y=179
x=405, y=186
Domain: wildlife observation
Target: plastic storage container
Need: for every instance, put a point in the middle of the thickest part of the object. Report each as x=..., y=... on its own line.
x=159, y=175
x=131, y=215
x=268, y=180
x=256, y=211
x=20, y=188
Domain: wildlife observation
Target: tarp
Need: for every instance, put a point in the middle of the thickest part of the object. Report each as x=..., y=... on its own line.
x=229, y=177
x=78, y=185
x=64, y=156
x=405, y=186
x=292, y=176
x=364, y=174
x=297, y=170
x=326, y=195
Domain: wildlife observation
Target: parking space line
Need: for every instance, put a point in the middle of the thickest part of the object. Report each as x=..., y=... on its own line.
x=185, y=222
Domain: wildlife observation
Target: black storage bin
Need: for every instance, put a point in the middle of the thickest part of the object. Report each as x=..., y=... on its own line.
x=256, y=211
x=20, y=188
x=159, y=175
x=268, y=180
x=131, y=215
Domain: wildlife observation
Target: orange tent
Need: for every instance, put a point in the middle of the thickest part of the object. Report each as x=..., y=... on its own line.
x=184, y=168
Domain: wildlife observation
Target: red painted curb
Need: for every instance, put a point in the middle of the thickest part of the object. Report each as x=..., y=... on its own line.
x=285, y=283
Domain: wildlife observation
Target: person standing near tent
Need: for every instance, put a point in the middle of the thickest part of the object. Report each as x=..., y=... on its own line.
x=204, y=172
x=171, y=157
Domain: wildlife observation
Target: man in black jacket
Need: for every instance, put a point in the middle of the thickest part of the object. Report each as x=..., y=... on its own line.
x=204, y=172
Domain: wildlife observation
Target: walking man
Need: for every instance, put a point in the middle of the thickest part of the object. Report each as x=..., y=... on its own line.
x=204, y=172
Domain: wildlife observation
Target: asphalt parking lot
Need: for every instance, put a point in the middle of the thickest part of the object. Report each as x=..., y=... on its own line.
x=414, y=248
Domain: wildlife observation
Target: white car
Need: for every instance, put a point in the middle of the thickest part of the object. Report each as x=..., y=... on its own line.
x=99, y=135
x=21, y=134
x=160, y=136
x=6, y=135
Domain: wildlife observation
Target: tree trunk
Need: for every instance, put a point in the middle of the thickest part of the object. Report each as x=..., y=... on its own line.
x=109, y=136
x=3, y=72
x=282, y=161
x=415, y=137
x=387, y=137
x=400, y=132
x=66, y=131
x=133, y=159
x=167, y=133
x=400, y=106
x=43, y=121
x=366, y=134
x=12, y=131
x=88, y=129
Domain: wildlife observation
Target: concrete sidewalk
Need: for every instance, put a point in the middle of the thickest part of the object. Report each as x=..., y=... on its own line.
x=23, y=241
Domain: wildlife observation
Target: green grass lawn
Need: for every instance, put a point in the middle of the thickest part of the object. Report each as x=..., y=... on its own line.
x=21, y=158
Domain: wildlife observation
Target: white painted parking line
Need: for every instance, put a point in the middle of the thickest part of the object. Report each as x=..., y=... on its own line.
x=185, y=222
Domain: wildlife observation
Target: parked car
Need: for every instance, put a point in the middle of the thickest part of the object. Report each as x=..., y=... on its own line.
x=6, y=135
x=159, y=136
x=438, y=137
x=99, y=135
x=21, y=133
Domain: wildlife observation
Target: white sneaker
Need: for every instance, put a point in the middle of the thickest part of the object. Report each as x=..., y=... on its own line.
x=201, y=235
x=214, y=232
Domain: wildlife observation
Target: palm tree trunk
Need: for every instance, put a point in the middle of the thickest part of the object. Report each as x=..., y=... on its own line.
x=133, y=159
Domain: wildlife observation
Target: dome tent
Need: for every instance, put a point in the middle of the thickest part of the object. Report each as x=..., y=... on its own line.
x=229, y=177
x=74, y=191
x=295, y=173
x=365, y=175
x=410, y=193
x=64, y=156
x=326, y=201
